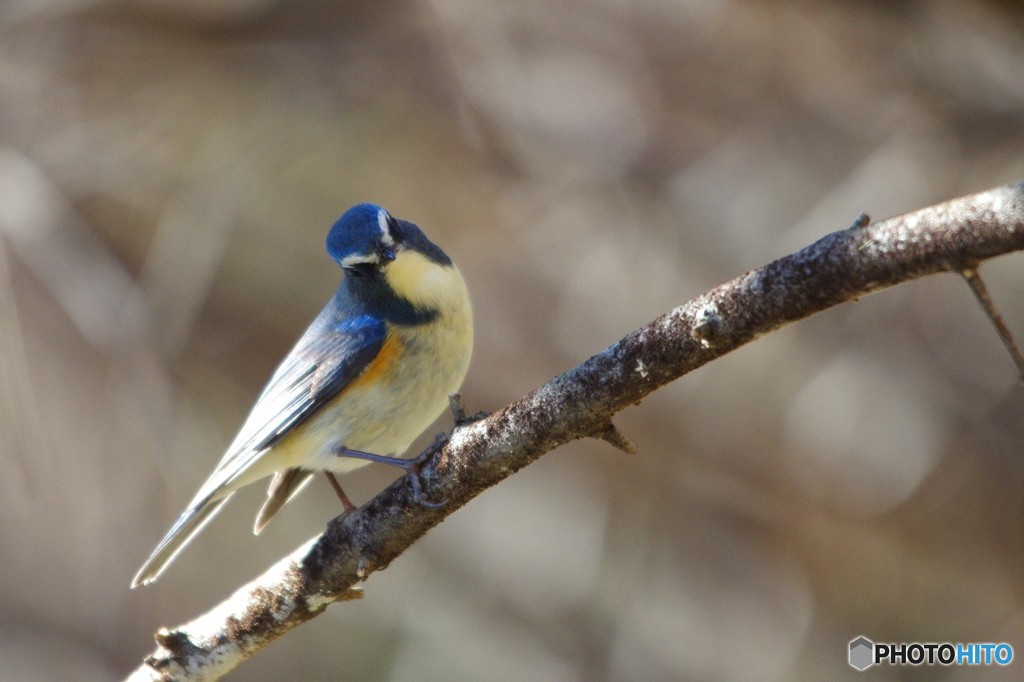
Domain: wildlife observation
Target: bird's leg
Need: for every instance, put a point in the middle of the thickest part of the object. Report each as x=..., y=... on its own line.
x=345, y=502
x=380, y=459
x=411, y=466
x=334, y=526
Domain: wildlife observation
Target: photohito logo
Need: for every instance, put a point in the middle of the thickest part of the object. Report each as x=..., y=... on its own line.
x=864, y=653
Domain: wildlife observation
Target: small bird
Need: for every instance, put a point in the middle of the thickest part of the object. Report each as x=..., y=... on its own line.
x=370, y=374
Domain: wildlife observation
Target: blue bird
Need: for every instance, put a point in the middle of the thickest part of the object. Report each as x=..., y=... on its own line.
x=370, y=374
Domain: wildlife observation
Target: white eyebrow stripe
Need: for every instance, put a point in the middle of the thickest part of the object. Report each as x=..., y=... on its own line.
x=359, y=259
x=385, y=230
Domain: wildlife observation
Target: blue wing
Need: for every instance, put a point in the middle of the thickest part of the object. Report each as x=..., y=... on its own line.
x=335, y=349
x=325, y=360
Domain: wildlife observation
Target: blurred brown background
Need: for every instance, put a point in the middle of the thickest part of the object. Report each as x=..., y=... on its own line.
x=168, y=171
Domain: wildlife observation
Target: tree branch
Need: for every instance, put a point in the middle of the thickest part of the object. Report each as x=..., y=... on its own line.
x=951, y=237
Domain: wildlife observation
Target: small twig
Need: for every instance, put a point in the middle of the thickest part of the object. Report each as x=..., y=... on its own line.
x=458, y=407
x=611, y=435
x=977, y=285
x=861, y=221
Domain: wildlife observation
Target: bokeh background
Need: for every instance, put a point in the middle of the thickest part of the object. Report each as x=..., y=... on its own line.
x=168, y=171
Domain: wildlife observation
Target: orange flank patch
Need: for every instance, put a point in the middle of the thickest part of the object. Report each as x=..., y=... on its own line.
x=383, y=363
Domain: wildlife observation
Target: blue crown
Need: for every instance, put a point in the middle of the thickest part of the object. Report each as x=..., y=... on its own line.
x=357, y=231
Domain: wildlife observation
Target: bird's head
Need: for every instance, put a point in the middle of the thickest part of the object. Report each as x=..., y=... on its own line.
x=385, y=257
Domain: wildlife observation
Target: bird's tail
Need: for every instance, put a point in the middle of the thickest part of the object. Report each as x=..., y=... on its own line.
x=285, y=485
x=180, y=534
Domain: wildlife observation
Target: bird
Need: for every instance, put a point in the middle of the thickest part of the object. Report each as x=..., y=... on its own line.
x=369, y=375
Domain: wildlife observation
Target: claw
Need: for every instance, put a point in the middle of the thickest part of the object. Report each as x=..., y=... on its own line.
x=415, y=466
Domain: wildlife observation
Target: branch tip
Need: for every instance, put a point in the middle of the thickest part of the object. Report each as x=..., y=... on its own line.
x=611, y=435
x=458, y=407
x=861, y=221
x=977, y=285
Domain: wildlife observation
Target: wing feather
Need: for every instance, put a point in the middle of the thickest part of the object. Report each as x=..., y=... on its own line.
x=335, y=350
x=317, y=369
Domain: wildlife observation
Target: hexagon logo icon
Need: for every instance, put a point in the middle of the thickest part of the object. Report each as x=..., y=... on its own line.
x=862, y=653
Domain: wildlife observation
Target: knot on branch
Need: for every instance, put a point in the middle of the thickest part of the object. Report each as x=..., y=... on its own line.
x=707, y=325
